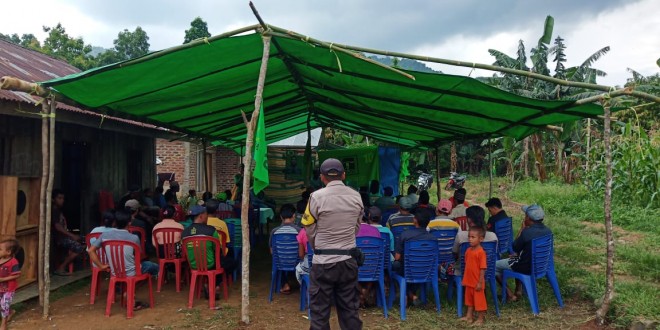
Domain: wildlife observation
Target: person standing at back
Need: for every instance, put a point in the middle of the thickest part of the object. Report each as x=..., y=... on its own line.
x=332, y=220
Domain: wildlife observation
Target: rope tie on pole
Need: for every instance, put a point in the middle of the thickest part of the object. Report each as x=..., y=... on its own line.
x=336, y=56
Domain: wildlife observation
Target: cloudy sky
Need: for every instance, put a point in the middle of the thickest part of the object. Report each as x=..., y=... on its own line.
x=458, y=29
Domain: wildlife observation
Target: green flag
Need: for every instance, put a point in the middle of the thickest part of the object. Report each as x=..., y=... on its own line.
x=261, y=180
x=404, y=173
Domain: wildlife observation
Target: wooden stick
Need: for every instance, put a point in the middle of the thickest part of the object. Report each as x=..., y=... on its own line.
x=247, y=176
x=333, y=47
x=298, y=36
x=608, y=296
x=45, y=110
x=490, y=168
x=15, y=84
x=49, y=189
x=437, y=173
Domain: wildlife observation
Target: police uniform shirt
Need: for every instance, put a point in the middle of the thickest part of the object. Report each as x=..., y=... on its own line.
x=332, y=220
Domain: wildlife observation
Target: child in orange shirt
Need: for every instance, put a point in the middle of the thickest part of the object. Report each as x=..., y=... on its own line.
x=9, y=273
x=474, y=277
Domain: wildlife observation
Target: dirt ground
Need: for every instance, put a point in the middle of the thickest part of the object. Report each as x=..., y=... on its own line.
x=171, y=312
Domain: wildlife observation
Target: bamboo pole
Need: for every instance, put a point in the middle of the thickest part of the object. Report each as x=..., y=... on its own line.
x=332, y=47
x=437, y=173
x=247, y=176
x=528, y=74
x=608, y=296
x=45, y=110
x=308, y=152
x=49, y=189
x=490, y=168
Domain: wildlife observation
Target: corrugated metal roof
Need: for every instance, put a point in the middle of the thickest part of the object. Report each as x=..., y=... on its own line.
x=33, y=66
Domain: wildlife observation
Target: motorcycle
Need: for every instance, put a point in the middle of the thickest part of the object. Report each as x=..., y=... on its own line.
x=455, y=181
x=424, y=180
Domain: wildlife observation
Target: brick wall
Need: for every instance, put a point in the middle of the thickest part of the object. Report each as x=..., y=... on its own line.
x=181, y=158
x=226, y=166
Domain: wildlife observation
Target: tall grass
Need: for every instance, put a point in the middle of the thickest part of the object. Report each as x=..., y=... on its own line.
x=575, y=215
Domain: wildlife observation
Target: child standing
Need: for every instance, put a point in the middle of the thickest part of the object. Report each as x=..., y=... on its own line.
x=9, y=273
x=474, y=277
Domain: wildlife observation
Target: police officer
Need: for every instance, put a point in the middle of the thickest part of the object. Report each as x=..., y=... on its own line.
x=332, y=220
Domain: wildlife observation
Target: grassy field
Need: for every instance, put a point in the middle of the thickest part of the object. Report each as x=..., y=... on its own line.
x=577, y=222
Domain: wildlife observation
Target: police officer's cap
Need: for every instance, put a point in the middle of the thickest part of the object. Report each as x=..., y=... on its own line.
x=332, y=167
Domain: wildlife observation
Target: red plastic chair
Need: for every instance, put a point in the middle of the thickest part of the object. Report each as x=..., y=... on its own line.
x=114, y=250
x=96, y=272
x=223, y=239
x=463, y=222
x=168, y=255
x=198, y=246
x=142, y=234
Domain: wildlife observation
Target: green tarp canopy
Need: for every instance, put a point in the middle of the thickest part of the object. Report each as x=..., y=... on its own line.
x=201, y=88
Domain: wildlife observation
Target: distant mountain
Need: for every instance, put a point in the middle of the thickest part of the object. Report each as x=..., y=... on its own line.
x=96, y=50
x=404, y=63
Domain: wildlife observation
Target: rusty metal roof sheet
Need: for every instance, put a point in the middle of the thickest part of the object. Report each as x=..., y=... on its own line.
x=33, y=66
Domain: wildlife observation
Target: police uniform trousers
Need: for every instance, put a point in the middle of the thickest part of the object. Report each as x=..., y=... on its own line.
x=336, y=282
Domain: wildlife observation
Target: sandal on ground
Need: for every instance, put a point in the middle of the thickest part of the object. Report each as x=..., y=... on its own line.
x=61, y=273
x=140, y=306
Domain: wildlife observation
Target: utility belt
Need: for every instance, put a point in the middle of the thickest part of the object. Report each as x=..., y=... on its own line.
x=354, y=253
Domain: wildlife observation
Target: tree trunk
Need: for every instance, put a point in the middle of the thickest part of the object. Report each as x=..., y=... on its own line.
x=537, y=148
x=45, y=110
x=601, y=314
x=49, y=189
x=525, y=157
x=247, y=177
x=454, y=158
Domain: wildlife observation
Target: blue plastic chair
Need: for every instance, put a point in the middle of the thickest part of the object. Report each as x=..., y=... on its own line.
x=446, y=237
x=420, y=260
x=399, y=229
x=285, y=259
x=543, y=265
x=387, y=254
x=504, y=231
x=491, y=257
x=304, y=284
x=373, y=269
x=236, y=232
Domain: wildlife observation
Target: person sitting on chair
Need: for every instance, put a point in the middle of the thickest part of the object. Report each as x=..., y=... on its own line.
x=64, y=239
x=168, y=222
x=420, y=220
x=199, y=227
x=386, y=201
x=475, y=215
x=494, y=206
x=412, y=194
x=459, y=205
x=122, y=219
x=442, y=220
x=288, y=216
x=521, y=261
x=403, y=217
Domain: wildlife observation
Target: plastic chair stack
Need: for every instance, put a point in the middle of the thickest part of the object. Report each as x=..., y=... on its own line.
x=491, y=257
x=96, y=272
x=420, y=259
x=285, y=259
x=115, y=252
x=373, y=269
x=543, y=265
x=504, y=231
x=199, y=244
x=168, y=255
x=387, y=254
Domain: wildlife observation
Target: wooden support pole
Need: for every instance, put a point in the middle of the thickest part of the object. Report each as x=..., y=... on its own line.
x=45, y=111
x=490, y=168
x=437, y=173
x=308, y=152
x=247, y=177
x=49, y=190
x=608, y=296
